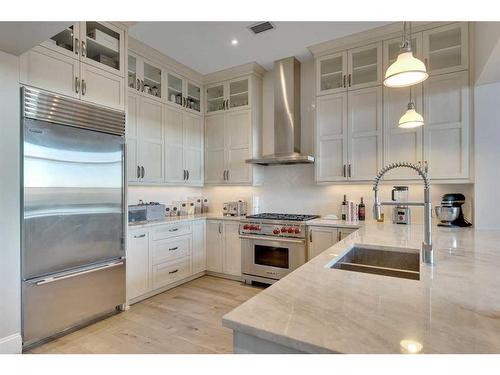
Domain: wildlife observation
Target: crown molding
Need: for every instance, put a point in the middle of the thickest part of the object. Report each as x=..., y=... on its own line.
x=235, y=72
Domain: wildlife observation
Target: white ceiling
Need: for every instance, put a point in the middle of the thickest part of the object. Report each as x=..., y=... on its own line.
x=206, y=46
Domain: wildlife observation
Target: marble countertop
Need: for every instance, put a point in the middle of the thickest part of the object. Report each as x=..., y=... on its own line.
x=453, y=308
x=321, y=222
x=179, y=219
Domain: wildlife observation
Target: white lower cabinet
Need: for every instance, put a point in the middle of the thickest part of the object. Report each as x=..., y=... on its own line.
x=170, y=272
x=138, y=268
x=344, y=232
x=231, y=264
x=320, y=239
x=199, y=255
x=214, y=245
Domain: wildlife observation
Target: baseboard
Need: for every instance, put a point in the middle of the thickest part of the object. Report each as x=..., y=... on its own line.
x=12, y=344
x=223, y=275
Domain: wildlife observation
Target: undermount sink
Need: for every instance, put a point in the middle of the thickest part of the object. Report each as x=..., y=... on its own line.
x=380, y=260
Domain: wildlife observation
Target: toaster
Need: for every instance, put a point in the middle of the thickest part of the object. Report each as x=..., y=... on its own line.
x=146, y=212
x=238, y=208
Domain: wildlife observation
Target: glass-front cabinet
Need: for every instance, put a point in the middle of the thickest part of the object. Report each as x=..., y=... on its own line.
x=332, y=73
x=365, y=66
x=446, y=48
x=100, y=44
x=392, y=49
x=183, y=92
x=144, y=76
x=228, y=95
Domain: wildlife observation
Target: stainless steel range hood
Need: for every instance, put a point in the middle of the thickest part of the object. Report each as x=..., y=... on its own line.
x=286, y=116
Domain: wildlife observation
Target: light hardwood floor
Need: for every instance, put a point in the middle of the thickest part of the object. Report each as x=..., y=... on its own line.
x=186, y=319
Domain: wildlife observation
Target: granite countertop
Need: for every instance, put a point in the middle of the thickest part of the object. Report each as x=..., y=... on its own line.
x=453, y=308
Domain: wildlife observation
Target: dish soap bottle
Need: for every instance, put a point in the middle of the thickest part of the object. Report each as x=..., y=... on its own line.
x=344, y=208
x=361, y=210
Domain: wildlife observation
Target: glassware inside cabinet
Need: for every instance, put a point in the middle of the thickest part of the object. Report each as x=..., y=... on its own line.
x=194, y=97
x=331, y=73
x=238, y=93
x=174, y=89
x=152, y=80
x=215, y=98
x=103, y=45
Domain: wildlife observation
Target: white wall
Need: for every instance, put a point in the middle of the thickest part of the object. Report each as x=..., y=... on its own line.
x=10, y=302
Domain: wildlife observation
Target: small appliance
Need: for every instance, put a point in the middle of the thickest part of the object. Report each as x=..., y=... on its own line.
x=238, y=208
x=401, y=213
x=146, y=212
x=450, y=212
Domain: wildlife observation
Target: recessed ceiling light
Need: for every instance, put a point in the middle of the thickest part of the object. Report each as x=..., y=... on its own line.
x=234, y=42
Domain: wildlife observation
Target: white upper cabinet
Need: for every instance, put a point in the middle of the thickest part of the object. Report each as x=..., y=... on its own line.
x=215, y=149
x=103, y=46
x=331, y=137
x=446, y=130
x=234, y=94
x=349, y=70
x=392, y=48
x=365, y=66
x=183, y=93
x=144, y=77
x=66, y=42
x=101, y=87
x=446, y=48
x=364, y=129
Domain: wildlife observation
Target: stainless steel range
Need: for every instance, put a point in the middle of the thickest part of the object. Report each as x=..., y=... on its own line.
x=273, y=245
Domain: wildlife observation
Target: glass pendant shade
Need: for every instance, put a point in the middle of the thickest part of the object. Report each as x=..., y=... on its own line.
x=405, y=71
x=411, y=119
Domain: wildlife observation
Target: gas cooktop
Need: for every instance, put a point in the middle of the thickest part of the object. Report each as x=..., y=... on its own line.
x=284, y=217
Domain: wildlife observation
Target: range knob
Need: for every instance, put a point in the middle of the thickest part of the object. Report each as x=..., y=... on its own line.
x=283, y=230
x=276, y=231
x=290, y=230
x=253, y=227
x=246, y=226
x=257, y=228
x=297, y=230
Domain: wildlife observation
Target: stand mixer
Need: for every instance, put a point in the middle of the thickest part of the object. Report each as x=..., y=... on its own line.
x=450, y=212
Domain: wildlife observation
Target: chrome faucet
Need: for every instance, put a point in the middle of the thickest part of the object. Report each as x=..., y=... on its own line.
x=427, y=248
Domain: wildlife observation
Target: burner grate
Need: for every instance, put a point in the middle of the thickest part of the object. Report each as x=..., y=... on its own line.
x=287, y=217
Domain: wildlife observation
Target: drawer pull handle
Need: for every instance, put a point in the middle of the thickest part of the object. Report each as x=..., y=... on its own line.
x=140, y=236
x=174, y=271
x=173, y=248
x=173, y=230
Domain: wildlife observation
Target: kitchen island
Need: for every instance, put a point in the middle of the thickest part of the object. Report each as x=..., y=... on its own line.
x=454, y=307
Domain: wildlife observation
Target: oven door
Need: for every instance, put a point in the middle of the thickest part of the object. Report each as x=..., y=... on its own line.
x=270, y=257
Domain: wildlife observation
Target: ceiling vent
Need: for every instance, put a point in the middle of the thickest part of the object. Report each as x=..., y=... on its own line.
x=260, y=27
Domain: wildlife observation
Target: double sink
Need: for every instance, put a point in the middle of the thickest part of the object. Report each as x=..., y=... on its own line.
x=380, y=260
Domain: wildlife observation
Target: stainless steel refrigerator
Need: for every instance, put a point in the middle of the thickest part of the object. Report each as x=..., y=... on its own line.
x=73, y=226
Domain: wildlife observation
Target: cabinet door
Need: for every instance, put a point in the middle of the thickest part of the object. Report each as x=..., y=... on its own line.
x=214, y=245
x=320, y=239
x=199, y=258
x=237, y=137
x=151, y=140
x=365, y=133
x=175, y=87
x=138, y=282
x=132, y=134
x=214, y=149
x=103, y=46
x=401, y=144
x=152, y=76
x=232, y=249
x=331, y=73
x=446, y=48
x=392, y=49
x=45, y=69
x=446, y=129
x=174, y=163
x=365, y=66
x=344, y=232
x=134, y=75
x=331, y=137
x=216, y=97
x=66, y=42
x=101, y=87
x=239, y=93
x=193, y=148
x=193, y=97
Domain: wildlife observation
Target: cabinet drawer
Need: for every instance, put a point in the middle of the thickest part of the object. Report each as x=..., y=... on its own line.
x=168, y=231
x=169, y=272
x=174, y=248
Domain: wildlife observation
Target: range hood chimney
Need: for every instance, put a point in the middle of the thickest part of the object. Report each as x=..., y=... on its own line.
x=286, y=116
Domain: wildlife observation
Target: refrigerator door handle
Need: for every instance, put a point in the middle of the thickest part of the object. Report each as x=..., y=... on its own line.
x=74, y=274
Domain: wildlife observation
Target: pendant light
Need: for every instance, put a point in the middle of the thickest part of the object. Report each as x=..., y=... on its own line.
x=407, y=70
x=411, y=119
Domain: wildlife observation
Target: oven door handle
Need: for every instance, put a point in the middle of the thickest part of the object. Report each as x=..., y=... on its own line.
x=280, y=239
